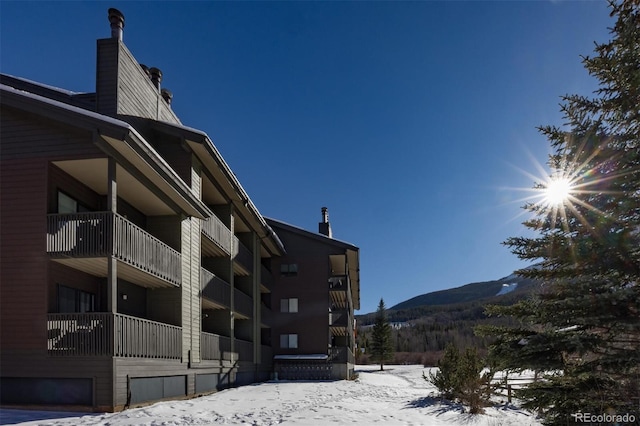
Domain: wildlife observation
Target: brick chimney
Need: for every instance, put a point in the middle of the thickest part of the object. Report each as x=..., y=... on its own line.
x=324, y=227
x=116, y=18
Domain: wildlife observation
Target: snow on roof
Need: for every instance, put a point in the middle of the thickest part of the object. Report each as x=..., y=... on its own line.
x=45, y=86
x=310, y=233
x=106, y=119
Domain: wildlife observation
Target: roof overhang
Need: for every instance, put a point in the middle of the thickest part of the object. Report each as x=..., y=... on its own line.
x=117, y=139
x=211, y=159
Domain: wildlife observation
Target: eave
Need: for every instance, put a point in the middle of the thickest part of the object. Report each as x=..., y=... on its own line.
x=206, y=152
x=115, y=138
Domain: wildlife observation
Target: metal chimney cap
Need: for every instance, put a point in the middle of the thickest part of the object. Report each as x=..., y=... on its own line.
x=116, y=18
x=167, y=96
x=156, y=76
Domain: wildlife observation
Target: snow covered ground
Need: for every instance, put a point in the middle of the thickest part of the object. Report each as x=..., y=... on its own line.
x=397, y=396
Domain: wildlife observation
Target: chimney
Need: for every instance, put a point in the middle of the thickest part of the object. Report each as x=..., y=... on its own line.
x=167, y=96
x=156, y=76
x=146, y=70
x=116, y=18
x=324, y=227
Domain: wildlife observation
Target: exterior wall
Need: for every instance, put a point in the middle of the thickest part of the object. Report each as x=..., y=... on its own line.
x=124, y=88
x=26, y=145
x=27, y=275
x=61, y=181
x=311, y=253
x=310, y=287
x=63, y=275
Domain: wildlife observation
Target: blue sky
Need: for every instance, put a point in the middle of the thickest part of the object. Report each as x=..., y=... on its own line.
x=411, y=121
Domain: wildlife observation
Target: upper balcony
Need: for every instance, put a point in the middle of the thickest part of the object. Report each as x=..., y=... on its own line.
x=216, y=294
x=340, y=322
x=266, y=279
x=84, y=241
x=216, y=239
x=242, y=258
x=339, y=291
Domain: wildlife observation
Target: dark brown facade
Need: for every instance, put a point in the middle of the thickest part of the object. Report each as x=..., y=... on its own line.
x=134, y=267
x=316, y=289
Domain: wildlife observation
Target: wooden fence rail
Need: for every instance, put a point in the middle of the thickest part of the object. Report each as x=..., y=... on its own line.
x=100, y=234
x=217, y=232
x=215, y=288
x=106, y=334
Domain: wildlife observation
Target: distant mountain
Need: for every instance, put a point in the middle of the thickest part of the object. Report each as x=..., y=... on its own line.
x=425, y=324
x=469, y=293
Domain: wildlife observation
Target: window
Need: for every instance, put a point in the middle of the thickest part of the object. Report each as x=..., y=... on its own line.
x=68, y=204
x=289, y=269
x=289, y=305
x=289, y=341
x=74, y=300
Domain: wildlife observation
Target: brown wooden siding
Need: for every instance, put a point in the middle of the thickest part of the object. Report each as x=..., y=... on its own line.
x=59, y=180
x=26, y=144
x=124, y=88
x=107, y=77
x=62, y=275
x=23, y=297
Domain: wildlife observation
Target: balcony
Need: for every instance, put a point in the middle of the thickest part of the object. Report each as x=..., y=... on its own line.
x=266, y=316
x=215, y=347
x=84, y=241
x=243, y=305
x=266, y=279
x=217, y=241
x=216, y=292
x=113, y=335
x=244, y=350
x=339, y=291
x=242, y=258
x=341, y=354
x=340, y=322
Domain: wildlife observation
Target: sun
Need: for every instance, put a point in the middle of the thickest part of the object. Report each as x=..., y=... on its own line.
x=557, y=191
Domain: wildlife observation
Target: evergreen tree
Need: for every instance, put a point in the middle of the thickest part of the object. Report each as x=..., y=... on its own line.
x=381, y=344
x=582, y=332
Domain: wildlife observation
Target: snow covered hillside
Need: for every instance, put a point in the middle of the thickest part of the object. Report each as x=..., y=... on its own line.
x=397, y=396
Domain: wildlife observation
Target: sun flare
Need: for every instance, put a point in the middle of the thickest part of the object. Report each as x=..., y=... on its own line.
x=557, y=191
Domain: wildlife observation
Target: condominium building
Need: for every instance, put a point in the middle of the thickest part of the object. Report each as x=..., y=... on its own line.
x=134, y=266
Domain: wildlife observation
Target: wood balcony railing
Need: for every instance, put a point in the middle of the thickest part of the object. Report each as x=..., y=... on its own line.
x=242, y=255
x=242, y=303
x=244, y=350
x=215, y=288
x=339, y=318
x=266, y=279
x=217, y=232
x=215, y=347
x=101, y=234
x=107, y=334
x=341, y=354
x=266, y=315
x=338, y=283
